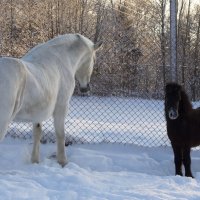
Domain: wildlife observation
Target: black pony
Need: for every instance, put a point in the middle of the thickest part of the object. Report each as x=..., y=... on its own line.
x=183, y=126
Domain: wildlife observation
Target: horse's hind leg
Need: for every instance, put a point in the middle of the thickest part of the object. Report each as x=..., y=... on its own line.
x=3, y=129
x=187, y=162
x=37, y=131
x=6, y=116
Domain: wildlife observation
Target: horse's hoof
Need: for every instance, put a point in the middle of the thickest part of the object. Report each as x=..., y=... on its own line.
x=34, y=161
x=179, y=174
x=68, y=143
x=63, y=163
x=189, y=175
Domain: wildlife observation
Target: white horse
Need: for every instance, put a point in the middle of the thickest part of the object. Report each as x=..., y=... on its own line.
x=41, y=83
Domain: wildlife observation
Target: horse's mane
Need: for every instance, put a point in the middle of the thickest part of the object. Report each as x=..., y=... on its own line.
x=67, y=39
x=186, y=104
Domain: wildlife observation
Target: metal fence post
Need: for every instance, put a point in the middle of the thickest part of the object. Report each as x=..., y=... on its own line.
x=173, y=40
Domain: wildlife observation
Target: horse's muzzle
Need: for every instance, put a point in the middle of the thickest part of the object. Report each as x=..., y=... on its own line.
x=173, y=114
x=85, y=89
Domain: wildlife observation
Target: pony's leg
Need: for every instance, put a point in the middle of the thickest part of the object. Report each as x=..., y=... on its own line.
x=187, y=162
x=178, y=160
x=37, y=131
x=59, y=117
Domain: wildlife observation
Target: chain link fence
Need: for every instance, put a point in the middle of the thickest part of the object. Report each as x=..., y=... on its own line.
x=126, y=100
x=113, y=119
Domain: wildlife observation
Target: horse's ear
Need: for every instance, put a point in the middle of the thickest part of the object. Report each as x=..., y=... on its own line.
x=98, y=45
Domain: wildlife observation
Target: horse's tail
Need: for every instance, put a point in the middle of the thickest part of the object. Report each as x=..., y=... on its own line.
x=12, y=78
x=98, y=45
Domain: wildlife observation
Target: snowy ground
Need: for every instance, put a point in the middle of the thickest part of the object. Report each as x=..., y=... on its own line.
x=94, y=172
x=100, y=171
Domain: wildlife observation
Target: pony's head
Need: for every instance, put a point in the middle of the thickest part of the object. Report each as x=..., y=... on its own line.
x=84, y=73
x=172, y=100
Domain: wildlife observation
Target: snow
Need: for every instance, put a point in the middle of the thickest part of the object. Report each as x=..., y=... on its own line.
x=94, y=172
x=102, y=171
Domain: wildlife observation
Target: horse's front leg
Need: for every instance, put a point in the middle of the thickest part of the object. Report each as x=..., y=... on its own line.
x=37, y=131
x=187, y=162
x=178, y=159
x=59, y=118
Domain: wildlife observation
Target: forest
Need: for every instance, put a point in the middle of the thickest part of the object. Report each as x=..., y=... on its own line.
x=135, y=57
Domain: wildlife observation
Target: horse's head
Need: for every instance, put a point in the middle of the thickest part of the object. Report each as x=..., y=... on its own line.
x=85, y=71
x=172, y=100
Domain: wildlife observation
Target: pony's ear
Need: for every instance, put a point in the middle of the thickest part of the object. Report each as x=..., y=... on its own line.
x=98, y=45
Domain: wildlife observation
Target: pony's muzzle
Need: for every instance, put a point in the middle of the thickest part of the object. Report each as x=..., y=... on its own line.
x=173, y=114
x=85, y=90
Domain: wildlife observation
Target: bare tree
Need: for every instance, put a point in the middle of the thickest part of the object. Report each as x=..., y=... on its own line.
x=135, y=35
x=196, y=59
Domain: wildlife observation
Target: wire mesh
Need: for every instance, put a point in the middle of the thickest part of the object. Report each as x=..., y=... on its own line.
x=115, y=118
x=125, y=118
